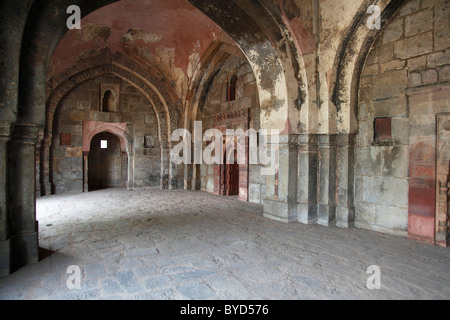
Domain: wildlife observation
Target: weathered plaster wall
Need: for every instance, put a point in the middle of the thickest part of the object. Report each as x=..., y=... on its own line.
x=83, y=104
x=414, y=42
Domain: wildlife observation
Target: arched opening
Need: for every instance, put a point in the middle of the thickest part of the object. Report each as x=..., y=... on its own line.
x=231, y=92
x=109, y=102
x=107, y=165
x=43, y=34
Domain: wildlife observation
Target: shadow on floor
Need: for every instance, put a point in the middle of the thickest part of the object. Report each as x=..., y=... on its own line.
x=44, y=253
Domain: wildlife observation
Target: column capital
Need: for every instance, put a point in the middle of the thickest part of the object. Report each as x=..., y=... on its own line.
x=345, y=140
x=26, y=133
x=308, y=139
x=327, y=140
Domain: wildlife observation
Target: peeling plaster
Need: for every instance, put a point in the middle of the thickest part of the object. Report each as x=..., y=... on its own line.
x=91, y=32
x=133, y=35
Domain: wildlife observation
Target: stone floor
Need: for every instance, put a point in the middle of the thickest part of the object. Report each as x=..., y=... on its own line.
x=191, y=245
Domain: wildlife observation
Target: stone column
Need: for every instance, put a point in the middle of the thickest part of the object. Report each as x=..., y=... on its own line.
x=196, y=178
x=46, y=186
x=308, y=162
x=130, y=182
x=85, y=172
x=188, y=171
x=280, y=202
x=5, y=256
x=345, y=211
x=442, y=234
x=39, y=191
x=22, y=204
x=165, y=167
x=327, y=180
x=197, y=158
x=173, y=176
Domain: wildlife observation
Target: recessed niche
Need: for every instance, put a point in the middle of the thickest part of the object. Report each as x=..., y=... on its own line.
x=231, y=90
x=383, y=130
x=109, y=99
x=65, y=139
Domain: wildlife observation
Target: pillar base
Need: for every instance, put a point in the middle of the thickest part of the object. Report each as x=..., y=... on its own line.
x=279, y=211
x=307, y=213
x=188, y=184
x=5, y=258
x=196, y=184
x=345, y=217
x=327, y=215
x=24, y=250
x=47, y=189
x=173, y=184
x=443, y=240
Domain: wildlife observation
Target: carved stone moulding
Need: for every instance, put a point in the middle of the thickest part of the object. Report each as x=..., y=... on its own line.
x=429, y=76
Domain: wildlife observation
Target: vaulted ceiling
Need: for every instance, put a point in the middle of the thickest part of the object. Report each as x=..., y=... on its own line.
x=169, y=35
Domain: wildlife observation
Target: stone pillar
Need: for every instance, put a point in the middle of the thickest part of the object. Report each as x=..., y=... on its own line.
x=442, y=234
x=327, y=180
x=85, y=172
x=22, y=204
x=46, y=186
x=280, y=202
x=345, y=211
x=188, y=171
x=173, y=176
x=196, y=178
x=39, y=191
x=5, y=256
x=130, y=181
x=165, y=165
x=308, y=161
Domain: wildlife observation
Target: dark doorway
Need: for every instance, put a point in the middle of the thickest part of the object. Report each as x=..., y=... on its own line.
x=107, y=164
x=230, y=177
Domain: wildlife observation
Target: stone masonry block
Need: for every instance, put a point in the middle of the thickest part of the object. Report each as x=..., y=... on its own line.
x=395, y=107
x=409, y=7
x=389, y=85
x=414, y=46
x=442, y=26
x=392, y=65
x=438, y=59
x=393, y=32
x=254, y=193
x=419, y=22
x=392, y=218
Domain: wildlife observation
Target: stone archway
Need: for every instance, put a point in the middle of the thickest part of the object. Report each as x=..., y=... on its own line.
x=157, y=93
x=350, y=61
x=259, y=31
x=92, y=129
x=107, y=166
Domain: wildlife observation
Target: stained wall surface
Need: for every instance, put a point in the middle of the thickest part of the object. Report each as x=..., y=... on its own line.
x=405, y=81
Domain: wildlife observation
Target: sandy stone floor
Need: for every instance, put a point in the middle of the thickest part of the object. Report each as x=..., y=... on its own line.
x=192, y=245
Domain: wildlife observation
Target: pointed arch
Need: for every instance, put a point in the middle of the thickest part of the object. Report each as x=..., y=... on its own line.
x=149, y=83
x=350, y=59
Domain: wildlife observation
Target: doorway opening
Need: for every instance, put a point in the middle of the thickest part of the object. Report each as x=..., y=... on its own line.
x=230, y=175
x=107, y=163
